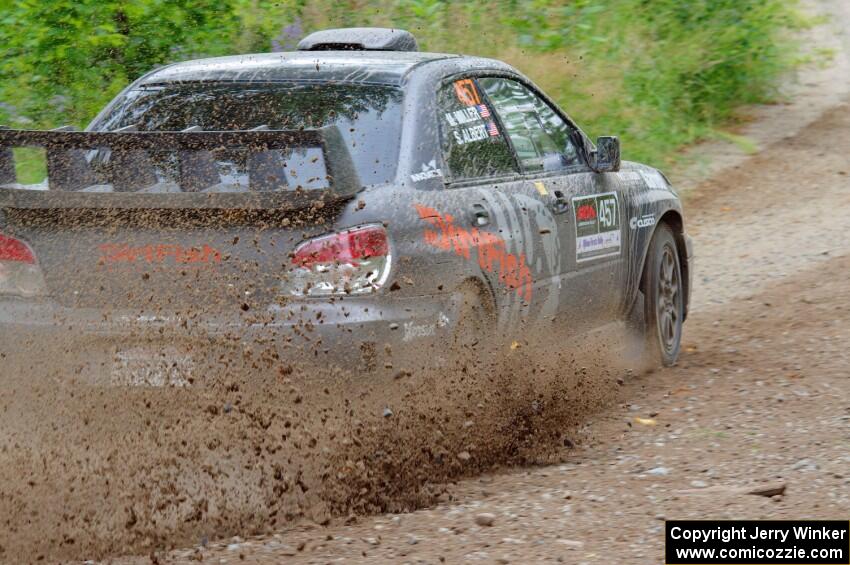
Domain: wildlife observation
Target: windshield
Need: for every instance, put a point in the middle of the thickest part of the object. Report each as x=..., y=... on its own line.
x=367, y=116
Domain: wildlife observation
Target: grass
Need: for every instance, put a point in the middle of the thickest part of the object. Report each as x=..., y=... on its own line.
x=30, y=165
x=743, y=142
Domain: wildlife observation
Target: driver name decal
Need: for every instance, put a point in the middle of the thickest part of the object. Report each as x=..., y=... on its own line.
x=112, y=253
x=493, y=255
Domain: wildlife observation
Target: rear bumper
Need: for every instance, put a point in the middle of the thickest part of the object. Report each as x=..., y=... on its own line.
x=374, y=335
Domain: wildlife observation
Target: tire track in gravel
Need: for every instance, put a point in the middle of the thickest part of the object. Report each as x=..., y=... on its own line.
x=777, y=215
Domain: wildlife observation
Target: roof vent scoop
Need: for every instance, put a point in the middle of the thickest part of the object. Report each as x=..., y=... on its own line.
x=359, y=39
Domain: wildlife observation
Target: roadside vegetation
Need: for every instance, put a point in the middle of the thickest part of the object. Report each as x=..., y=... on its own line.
x=659, y=73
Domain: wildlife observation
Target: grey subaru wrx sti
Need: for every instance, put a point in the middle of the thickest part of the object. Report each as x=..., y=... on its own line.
x=345, y=204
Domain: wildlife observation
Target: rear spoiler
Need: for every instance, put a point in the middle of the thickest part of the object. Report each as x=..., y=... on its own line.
x=131, y=168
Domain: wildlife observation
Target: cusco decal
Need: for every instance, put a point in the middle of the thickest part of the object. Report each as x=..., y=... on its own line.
x=429, y=171
x=122, y=253
x=493, y=256
x=597, y=226
x=645, y=221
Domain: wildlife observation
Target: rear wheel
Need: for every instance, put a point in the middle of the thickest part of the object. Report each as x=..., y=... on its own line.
x=663, y=297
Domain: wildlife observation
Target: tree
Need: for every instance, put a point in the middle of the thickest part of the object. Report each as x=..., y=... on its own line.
x=61, y=61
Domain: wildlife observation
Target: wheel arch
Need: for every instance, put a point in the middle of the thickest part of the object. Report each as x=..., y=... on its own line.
x=483, y=289
x=674, y=220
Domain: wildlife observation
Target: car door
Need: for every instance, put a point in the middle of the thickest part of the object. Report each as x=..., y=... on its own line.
x=488, y=213
x=587, y=207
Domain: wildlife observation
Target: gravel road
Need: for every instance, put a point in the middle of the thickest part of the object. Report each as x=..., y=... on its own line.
x=760, y=396
x=760, y=399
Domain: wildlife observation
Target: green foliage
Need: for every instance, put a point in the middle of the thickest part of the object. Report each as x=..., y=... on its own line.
x=62, y=60
x=660, y=73
x=30, y=164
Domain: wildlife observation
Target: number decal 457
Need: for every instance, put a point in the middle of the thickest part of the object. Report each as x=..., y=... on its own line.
x=597, y=221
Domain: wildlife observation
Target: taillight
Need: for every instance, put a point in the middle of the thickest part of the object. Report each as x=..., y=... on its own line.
x=20, y=274
x=355, y=261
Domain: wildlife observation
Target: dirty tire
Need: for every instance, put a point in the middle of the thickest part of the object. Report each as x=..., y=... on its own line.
x=663, y=298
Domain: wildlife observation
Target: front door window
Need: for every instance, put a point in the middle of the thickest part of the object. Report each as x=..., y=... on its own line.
x=541, y=138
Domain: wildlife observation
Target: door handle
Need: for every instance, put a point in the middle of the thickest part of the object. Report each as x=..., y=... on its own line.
x=560, y=204
x=480, y=216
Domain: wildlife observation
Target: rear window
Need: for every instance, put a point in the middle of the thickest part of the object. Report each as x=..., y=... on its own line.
x=367, y=116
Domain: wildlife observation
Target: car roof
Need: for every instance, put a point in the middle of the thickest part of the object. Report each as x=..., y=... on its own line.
x=377, y=67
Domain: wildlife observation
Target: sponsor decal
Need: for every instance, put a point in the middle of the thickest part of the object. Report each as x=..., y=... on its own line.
x=466, y=92
x=152, y=368
x=491, y=251
x=149, y=319
x=468, y=135
x=541, y=188
x=492, y=129
x=429, y=171
x=413, y=330
x=596, y=246
x=597, y=226
x=112, y=253
x=653, y=179
x=586, y=212
x=644, y=221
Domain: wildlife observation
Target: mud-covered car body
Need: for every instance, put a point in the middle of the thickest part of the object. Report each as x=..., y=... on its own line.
x=474, y=198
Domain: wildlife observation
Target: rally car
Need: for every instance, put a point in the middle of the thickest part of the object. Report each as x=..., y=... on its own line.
x=346, y=202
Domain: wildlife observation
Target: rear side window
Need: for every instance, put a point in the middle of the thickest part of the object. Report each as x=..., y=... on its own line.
x=473, y=144
x=539, y=135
